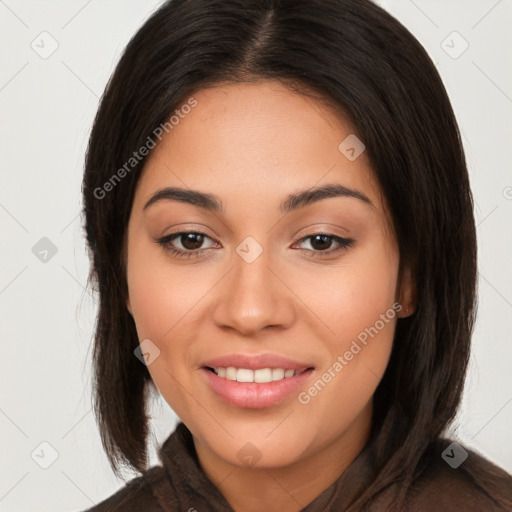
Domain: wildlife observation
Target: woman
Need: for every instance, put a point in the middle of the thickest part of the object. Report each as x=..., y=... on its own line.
x=281, y=233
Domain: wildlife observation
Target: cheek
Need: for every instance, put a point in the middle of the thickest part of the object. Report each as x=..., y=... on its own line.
x=162, y=303
x=160, y=294
x=357, y=302
x=166, y=303
x=352, y=296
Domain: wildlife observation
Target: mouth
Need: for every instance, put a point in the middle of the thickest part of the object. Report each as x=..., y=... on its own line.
x=255, y=382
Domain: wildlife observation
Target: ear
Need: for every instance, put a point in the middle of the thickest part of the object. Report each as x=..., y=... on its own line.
x=406, y=293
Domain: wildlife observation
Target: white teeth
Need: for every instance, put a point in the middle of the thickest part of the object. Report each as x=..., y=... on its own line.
x=262, y=375
x=231, y=373
x=243, y=375
x=278, y=374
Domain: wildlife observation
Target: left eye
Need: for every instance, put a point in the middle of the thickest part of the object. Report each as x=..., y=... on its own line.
x=191, y=242
x=322, y=241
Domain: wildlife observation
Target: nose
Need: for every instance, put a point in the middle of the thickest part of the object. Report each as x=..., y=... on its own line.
x=253, y=296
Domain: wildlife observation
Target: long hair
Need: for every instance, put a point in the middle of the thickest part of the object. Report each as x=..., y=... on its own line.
x=362, y=61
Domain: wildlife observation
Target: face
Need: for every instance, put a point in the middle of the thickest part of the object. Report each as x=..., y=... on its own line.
x=267, y=286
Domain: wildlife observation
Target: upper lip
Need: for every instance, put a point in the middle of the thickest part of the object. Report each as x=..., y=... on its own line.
x=256, y=362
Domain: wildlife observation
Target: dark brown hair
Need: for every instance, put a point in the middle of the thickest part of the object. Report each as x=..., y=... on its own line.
x=356, y=56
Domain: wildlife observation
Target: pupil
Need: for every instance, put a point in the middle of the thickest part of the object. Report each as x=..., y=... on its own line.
x=323, y=239
x=192, y=241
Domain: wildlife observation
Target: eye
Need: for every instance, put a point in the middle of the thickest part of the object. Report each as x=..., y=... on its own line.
x=321, y=244
x=191, y=242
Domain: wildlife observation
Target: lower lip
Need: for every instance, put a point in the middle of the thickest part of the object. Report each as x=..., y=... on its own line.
x=255, y=395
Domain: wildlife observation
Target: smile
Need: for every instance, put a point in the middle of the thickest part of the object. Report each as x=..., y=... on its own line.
x=255, y=389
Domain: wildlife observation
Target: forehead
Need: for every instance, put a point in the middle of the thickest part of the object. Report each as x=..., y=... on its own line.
x=258, y=141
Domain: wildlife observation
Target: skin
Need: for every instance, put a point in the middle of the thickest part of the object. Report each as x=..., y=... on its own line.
x=253, y=145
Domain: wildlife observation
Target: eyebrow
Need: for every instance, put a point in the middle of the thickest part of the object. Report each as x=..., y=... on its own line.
x=301, y=199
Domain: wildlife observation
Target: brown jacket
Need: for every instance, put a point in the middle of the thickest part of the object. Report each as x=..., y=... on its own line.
x=180, y=485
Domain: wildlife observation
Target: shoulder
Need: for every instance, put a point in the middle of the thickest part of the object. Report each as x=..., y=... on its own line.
x=458, y=478
x=135, y=495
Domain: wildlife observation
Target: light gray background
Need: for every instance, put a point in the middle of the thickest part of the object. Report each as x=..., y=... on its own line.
x=47, y=107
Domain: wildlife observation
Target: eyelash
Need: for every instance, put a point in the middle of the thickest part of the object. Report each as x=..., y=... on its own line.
x=344, y=243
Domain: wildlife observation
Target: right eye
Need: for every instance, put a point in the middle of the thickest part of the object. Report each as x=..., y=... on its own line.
x=190, y=242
